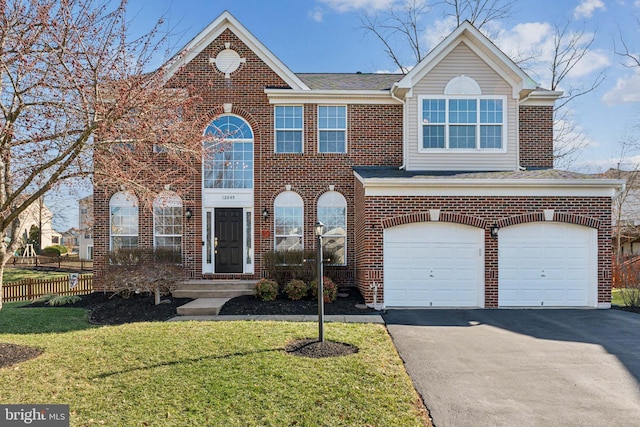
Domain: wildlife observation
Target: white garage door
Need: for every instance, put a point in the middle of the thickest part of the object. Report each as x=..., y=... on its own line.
x=544, y=264
x=433, y=264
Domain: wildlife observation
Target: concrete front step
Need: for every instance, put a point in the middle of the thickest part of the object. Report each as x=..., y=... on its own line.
x=213, y=289
x=202, y=307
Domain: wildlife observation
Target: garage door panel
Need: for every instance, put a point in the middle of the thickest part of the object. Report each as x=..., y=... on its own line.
x=547, y=264
x=433, y=265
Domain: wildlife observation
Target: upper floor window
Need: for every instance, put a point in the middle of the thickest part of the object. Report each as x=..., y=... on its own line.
x=332, y=212
x=288, y=216
x=228, y=153
x=167, y=222
x=123, y=213
x=288, y=127
x=332, y=129
x=463, y=123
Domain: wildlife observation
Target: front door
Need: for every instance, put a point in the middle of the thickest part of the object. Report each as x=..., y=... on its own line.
x=228, y=240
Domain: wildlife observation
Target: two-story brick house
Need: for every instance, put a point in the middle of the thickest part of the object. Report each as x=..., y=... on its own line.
x=437, y=187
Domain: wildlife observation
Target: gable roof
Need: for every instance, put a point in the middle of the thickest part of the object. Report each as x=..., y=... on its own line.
x=218, y=26
x=483, y=47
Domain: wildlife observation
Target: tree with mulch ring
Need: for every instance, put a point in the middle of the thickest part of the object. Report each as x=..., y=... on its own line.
x=315, y=349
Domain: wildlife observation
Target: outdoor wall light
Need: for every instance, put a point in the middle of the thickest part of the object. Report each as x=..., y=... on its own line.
x=494, y=230
x=188, y=213
x=265, y=214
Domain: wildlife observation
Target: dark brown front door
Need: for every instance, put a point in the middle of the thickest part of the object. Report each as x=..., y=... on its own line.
x=228, y=240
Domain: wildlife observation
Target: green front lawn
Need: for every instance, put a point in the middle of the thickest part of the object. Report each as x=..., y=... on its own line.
x=206, y=373
x=16, y=274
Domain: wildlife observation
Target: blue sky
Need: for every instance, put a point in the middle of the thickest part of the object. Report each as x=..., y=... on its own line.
x=324, y=36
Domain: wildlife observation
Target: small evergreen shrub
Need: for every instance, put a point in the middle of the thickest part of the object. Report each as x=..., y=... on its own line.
x=329, y=289
x=59, y=300
x=266, y=290
x=296, y=289
x=55, y=250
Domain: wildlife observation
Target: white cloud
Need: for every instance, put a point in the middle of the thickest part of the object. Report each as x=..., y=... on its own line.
x=586, y=8
x=351, y=5
x=626, y=90
x=637, y=3
x=317, y=14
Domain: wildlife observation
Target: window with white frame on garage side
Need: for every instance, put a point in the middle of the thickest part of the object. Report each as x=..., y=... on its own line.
x=288, y=210
x=288, y=128
x=332, y=212
x=167, y=222
x=123, y=221
x=462, y=119
x=332, y=129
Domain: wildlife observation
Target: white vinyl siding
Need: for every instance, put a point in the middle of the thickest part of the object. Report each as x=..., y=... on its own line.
x=461, y=61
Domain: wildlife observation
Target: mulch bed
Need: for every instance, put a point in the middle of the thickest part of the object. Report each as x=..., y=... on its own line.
x=315, y=349
x=349, y=299
x=10, y=354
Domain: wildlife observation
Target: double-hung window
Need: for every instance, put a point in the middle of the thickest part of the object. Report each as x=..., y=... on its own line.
x=332, y=129
x=463, y=123
x=288, y=128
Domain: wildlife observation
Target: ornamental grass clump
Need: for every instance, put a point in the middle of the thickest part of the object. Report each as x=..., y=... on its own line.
x=296, y=289
x=329, y=289
x=266, y=290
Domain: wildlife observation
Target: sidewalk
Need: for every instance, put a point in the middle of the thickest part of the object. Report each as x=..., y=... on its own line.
x=361, y=318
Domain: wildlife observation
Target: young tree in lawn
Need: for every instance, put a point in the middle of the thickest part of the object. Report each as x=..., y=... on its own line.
x=72, y=85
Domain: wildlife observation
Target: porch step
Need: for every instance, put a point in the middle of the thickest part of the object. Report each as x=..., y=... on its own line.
x=202, y=307
x=213, y=289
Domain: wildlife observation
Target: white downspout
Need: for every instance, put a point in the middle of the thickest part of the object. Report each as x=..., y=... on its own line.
x=404, y=126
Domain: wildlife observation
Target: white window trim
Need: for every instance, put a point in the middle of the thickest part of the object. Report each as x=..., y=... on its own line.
x=276, y=129
x=505, y=121
x=123, y=199
x=333, y=194
x=168, y=200
x=284, y=199
x=346, y=127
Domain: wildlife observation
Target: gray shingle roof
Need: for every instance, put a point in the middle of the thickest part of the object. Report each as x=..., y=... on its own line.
x=536, y=174
x=349, y=81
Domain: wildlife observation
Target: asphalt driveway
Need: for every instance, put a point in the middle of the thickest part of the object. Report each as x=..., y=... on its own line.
x=522, y=367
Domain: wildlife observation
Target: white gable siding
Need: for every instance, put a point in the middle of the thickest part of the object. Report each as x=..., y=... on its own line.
x=461, y=61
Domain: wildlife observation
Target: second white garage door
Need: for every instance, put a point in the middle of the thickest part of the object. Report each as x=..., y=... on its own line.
x=547, y=264
x=433, y=264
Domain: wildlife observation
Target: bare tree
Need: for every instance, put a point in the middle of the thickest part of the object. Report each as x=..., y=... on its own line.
x=400, y=28
x=72, y=84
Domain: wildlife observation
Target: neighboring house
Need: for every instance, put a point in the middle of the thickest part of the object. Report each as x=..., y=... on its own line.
x=626, y=213
x=85, y=227
x=38, y=215
x=70, y=240
x=437, y=187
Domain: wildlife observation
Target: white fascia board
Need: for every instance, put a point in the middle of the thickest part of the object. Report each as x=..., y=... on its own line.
x=542, y=98
x=217, y=27
x=289, y=96
x=490, y=187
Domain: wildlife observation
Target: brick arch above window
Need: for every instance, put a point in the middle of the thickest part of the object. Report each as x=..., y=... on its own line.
x=557, y=217
x=453, y=217
x=236, y=111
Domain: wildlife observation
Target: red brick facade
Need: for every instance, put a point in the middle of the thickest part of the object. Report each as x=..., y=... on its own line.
x=536, y=136
x=374, y=138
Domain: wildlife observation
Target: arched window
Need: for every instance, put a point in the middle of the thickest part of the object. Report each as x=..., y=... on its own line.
x=123, y=221
x=288, y=211
x=167, y=222
x=332, y=212
x=228, y=153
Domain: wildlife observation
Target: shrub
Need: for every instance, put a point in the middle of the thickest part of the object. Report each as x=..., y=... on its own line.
x=59, y=300
x=266, y=290
x=55, y=250
x=296, y=289
x=626, y=277
x=329, y=289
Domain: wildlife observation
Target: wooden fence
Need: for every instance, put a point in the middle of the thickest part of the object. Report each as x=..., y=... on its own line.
x=30, y=289
x=59, y=262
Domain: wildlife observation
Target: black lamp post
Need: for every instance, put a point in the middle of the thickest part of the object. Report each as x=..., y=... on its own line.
x=319, y=229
